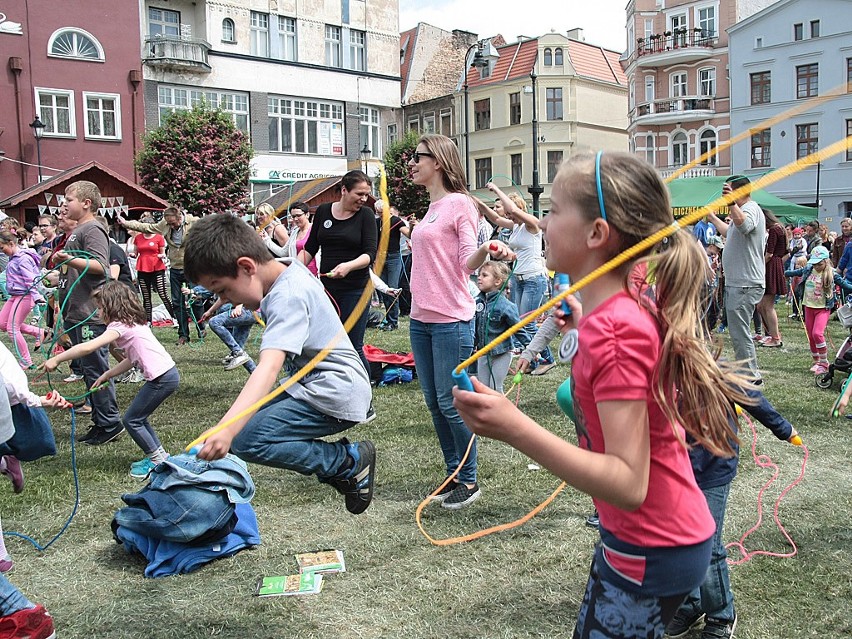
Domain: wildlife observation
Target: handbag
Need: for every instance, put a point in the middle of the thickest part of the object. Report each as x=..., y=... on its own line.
x=33, y=438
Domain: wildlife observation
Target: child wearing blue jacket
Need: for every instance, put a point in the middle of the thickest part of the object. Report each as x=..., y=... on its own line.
x=494, y=314
x=713, y=601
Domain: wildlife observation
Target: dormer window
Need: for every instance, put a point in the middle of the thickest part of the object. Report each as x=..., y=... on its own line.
x=557, y=56
x=548, y=57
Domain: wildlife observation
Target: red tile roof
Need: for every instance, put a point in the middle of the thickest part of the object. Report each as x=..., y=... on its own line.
x=518, y=60
x=407, y=42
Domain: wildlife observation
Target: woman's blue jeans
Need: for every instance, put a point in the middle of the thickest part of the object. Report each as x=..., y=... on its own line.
x=438, y=349
x=528, y=294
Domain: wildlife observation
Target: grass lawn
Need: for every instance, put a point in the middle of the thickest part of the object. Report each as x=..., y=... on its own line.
x=523, y=583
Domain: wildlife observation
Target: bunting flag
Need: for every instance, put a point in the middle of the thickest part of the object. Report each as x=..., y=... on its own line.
x=120, y=199
x=41, y=209
x=60, y=200
x=111, y=201
x=54, y=210
x=48, y=197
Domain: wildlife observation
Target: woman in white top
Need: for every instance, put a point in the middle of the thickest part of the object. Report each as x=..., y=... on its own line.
x=271, y=230
x=528, y=284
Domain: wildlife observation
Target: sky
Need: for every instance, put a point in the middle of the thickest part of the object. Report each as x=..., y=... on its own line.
x=602, y=21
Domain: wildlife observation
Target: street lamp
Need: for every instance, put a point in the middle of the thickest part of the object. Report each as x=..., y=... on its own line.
x=38, y=130
x=365, y=154
x=479, y=62
x=535, y=189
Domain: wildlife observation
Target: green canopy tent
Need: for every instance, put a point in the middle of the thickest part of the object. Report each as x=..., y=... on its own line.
x=687, y=194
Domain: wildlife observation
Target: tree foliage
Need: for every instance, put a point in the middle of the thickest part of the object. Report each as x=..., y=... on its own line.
x=402, y=192
x=197, y=160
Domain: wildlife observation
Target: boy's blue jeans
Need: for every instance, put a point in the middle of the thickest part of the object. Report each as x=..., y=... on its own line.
x=714, y=597
x=438, y=349
x=223, y=324
x=284, y=434
x=11, y=599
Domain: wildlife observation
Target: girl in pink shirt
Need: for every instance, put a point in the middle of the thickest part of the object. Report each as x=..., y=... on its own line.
x=127, y=326
x=445, y=253
x=643, y=378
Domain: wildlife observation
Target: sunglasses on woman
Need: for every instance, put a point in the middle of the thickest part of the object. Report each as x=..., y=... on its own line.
x=419, y=154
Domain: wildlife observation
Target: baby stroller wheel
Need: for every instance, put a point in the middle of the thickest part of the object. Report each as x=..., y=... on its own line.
x=824, y=380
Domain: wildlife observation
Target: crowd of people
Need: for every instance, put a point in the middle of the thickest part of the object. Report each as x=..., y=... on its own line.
x=643, y=380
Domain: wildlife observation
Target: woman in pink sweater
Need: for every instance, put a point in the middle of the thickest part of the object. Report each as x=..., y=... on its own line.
x=445, y=253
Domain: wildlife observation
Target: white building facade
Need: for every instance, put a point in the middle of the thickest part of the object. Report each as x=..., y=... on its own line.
x=790, y=52
x=312, y=83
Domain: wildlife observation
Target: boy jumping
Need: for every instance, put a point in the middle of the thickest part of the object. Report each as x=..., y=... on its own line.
x=225, y=256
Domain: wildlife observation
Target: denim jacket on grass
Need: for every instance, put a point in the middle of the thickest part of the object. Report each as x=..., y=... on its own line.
x=187, y=498
x=494, y=314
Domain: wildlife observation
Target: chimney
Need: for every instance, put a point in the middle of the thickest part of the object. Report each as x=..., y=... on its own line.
x=576, y=34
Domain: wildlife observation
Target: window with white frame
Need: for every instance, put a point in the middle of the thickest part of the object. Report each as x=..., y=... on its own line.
x=414, y=123
x=706, y=21
x=392, y=133
x=305, y=126
x=446, y=122
x=631, y=43
x=103, y=116
x=259, y=34
x=56, y=111
x=369, y=130
x=649, y=88
x=678, y=85
x=429, y=123
x=163, y=22
x=707, y=143
x=558, y=57
x=229, y=32
x=75, y=43
x=332, y=46
x=649, y=29
x=678, y=25
x=631, y=94
x=680, y=149
x=287, y=39
x=357, y=50
x=650, y=153
x=236, y=105
x=553, y=103
x=707, y=81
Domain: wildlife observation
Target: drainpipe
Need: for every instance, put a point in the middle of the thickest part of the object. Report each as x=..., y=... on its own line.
x=16, y=66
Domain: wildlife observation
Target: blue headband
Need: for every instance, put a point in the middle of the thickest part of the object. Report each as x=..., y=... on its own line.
x=598, y=183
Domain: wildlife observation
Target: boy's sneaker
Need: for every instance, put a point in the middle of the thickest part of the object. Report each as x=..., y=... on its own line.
x=442, y=494
x=683, y=622
x=11, y=467
x=461, y=496
x=73, y=377
x=227, y=359
x=104, y=436
x=29, y=623
x=135, y=376
x=93, y=430
x=358, y=488
x=371, y=414
x=719, y=628
x=593, y=521
x=237, y=360
x=142, y=468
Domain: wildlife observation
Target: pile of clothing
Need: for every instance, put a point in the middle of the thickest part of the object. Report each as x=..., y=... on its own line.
x=191, y=512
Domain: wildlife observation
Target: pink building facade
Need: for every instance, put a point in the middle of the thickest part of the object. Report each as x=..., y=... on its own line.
x=78, y=70
x=679, y=101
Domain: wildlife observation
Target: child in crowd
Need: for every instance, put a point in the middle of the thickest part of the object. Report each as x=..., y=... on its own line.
x=15, y=392
x=127, y=326
x=23, y=269
x=818, y=300
x=494, y=314
x=226, y=257
x=232, y=324
x=634, y=351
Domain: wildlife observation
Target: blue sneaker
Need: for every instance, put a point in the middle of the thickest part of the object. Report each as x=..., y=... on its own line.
x=142, y=468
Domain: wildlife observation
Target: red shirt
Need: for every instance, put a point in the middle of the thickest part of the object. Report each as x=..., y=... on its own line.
x=617, y=359
x=148, y=251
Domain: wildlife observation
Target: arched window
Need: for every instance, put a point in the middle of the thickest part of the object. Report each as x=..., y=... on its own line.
x=650, y=154
x=680, y=149
x=75, y=43
x=548, y=57
x=557, y=56
x=706, y=143
x=228, y=31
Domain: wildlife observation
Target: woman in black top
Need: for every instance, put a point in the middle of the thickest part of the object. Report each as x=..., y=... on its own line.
x=346, y=233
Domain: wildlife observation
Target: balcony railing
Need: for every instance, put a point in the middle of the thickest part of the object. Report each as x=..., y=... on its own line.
x=696, y=171
x=175, y=52
x=673, y=40
x=676, y=106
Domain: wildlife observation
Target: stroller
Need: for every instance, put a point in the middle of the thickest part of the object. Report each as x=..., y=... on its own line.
x=843, y=360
